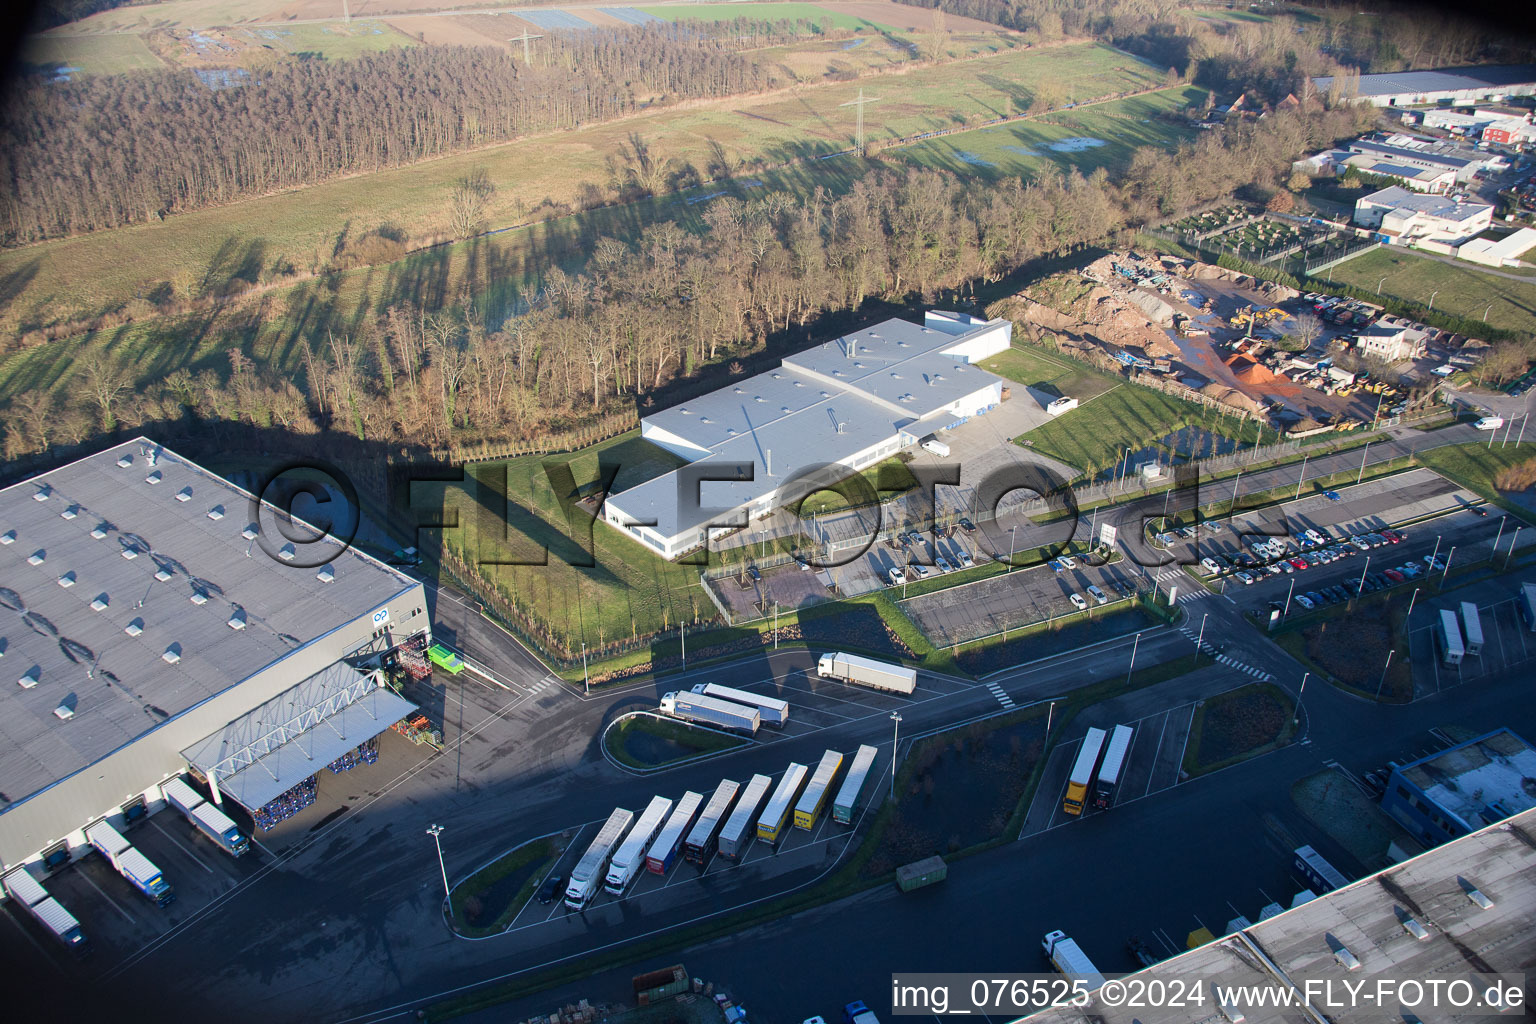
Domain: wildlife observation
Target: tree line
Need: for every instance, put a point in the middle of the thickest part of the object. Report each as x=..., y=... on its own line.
x=105, y=151
x=644, y=315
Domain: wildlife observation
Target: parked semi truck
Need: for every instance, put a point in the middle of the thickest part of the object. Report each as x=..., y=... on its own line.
x=736, y=836
x=853, y=783
x=774, y=823
x=588, y=873
x=1068, y=958
x=1082, y=771
x=818, y=791
x=629, y=858
x=130, y=863
x=880, y=675
x=1448, y=636
x=1472, y=628
x=1320, y=875
x=49, y=912
x=696, y=707
x=208, y=819
x=704, y=837
x=659, y=858
x=1114, y=763
x=772, y=710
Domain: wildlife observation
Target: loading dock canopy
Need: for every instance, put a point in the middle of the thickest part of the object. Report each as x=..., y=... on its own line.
x=266, y=752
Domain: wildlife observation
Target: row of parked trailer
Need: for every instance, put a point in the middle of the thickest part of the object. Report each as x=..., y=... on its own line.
x=1108, y=771
x=624, y=844
x=1459, y=636
x=22, y=887
x=726, y=707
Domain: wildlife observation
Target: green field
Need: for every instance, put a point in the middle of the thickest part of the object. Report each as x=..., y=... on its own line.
x=1095, y=435
x=81, y=277
x=1476, y=465
x=92, y=55
x=1048, y=372
x=1102, y=135
x=765, y=12
x=1457, y=288
x=335, y=41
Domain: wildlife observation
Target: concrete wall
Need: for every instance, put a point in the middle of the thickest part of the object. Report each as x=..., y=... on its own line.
x=63, y=810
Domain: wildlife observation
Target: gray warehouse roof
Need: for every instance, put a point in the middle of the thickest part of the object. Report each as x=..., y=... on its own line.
x=1399, y=83
x=1398, y=198
x=125, y=602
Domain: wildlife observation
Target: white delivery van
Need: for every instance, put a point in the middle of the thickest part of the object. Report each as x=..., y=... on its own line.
x=934, y=445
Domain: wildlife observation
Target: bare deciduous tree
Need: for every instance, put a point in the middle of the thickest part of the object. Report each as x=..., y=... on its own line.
x=468, y=202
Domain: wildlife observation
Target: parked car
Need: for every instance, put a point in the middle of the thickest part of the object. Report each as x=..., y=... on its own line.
x=552, y=886
x=1412, y=570
x=1393, y=537
x=752, y=571
x=918, y=570
x=1298, y=562
x=1098, y=595
x=1055, y=565
x=966, y=561
x=1332, y=495
x=1394, y=576
x=1434, y=562
x=943, y=564
x=1316, y=597
x=1242, y=574
x=1066, y=562
x=1305, y=601
x=1210, y=566
x=897, y=576
x=1078, y=602
x=967, y=525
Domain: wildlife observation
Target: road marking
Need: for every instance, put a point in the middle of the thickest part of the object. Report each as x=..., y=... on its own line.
x=109, y=899
x=26, y=934
x=183, y=849
x=1157, y=750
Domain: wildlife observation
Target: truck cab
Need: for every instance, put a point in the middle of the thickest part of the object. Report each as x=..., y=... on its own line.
x=857, y=1013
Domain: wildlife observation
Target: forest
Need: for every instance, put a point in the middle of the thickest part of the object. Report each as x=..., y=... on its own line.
x=642, y=316
x=105, y=151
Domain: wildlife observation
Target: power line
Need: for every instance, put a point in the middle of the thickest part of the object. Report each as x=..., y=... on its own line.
x=524, y=39
x=859, y=131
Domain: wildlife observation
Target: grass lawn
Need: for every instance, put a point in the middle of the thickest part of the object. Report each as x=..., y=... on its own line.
x=1236, y=725
x=1093, y=437
x=487, y=901
x=1102, y=135
x=78, y=277
x=642, y=741
x=885, y=480
x=335, y=41
x=1457, y=289
x=1474, y=466
x=92, y=55
x=813, y=13
x=1350, y=643
x=1046, y=371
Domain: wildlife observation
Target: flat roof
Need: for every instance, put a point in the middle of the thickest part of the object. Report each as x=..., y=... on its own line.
x=1397, y=83
x=1366, y=918
x=1396, y=152
x=1480, y=781
x=186, y=533
x=1396, y=197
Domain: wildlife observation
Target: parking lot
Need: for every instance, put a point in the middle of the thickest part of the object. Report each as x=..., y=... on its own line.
x=1508, y=641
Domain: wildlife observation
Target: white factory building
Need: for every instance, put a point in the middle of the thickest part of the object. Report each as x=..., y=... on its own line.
x=1404, y=217
x=769, y=440
x=156, y=620
x=1488, y=84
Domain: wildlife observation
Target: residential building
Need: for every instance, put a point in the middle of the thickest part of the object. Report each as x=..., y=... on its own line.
x=1393, y=344
x=823, y=414
x=1490, y=83
x=1404, y=217
x=1472, y=785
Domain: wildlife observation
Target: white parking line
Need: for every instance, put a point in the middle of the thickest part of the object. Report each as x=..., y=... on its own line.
x=1157, y=750
x=198, y=860
x=109, y=899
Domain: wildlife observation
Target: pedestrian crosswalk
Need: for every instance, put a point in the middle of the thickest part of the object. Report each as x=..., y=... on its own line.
x=1258, y=674
x=540, y=685
x=1188, y=589
x=1192, y=594
x=1001, y=695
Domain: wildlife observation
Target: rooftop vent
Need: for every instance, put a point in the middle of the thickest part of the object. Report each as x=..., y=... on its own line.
x=162, y=574
x=1346, y=959
x=784, y=408
x=250, y=532
x=199, y=597
x=99, y=603
x=134, y=628
x=1413, y=927
x=778, y=376
x=759, y=398
x=896, y=376
x=41, y=494
x=237, y=620
x=172, y=654
x=859, y=366
x=739, y=391
x=799, y=383
x=8, y=537
x=901, y=344
x=68, y=579
x=99, y=531
x=154, y=477
x=64, y=712
x=185, y=494
x=125, y=460
x=826, y=394
x=217, y=512
x=70, y=513
x=684, y=411
x=38, y=557
x=703, y=419
x=31, y=678
x=286, y=552
x=837, y=373
x=1479, y=900
x=326, y=574
x=130, y=552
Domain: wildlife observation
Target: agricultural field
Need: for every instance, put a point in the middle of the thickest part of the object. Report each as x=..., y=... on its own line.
x=1456, y=286
x=814, y=13
x=1094, y=436
x=89, y=55
x=1101, y=135
x=333, y=42
x=79, y=277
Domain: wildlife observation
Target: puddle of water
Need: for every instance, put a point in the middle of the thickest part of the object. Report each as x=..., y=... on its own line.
x=1076, y=144
x=973, y=159
x=1022, y=150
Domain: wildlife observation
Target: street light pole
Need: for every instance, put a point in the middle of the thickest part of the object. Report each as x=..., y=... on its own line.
x=1487, y=311
x=1513, y=540
x=1013, y=536
x=1384, y=673
x=1379, y=284
x=586, y=680
x=1303, y=475
x=895, y=739
x=1232, y=505
x=1134, y=644
x=435, y=831
x=1050, y=715
x=1411, y=599
x=1366, y=451
x=1200, y=640
x=1299, y=694
x=1287, y=609
x=1447, y=571
x=1432, y=299
x=1361, y=588
x=1502, y=521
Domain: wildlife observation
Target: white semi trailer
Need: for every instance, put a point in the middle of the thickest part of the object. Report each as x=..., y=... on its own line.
x=588, y=873
x=860, y=671
x=630, y=856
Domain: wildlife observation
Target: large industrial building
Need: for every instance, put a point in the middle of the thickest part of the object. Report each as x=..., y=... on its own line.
x=1403, y=217
x=1459, y=790
x=1459, y=911
x=156, y=619
x=839, y=407
x=1488, y=84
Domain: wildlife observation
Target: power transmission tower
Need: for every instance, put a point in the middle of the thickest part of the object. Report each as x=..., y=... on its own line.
x=859, y=131
x=524, y=38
